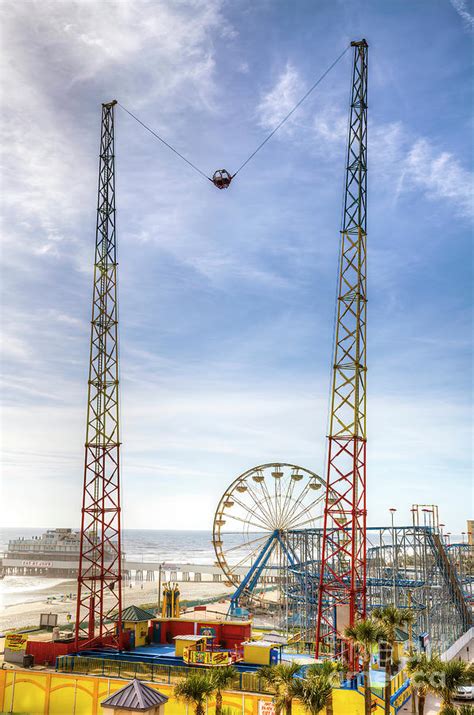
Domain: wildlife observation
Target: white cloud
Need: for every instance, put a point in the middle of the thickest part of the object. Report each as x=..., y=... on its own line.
x=275, y=104
x=407, y=163
x=330, y=126
x=172, y=436
x=13, y=347
x=439, y=175
x=461, y=8
x=145, y=51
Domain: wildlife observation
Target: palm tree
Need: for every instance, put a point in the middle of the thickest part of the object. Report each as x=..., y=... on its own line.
x=449, y=710
x=454, y=674
x=194, y=690
x=332, y=670
x=422, y=671
x=281, y=679
x=222, y=678
x=315, y=692
x=365, y=635
x=391, y=619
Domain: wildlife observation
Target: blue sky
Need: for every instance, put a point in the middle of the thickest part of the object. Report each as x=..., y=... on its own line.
x=227, y=298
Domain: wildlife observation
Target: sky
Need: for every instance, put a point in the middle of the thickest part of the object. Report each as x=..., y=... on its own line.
x=227, y=297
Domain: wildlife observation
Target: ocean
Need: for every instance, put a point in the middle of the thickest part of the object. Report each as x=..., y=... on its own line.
x=145, y=544
x=138, y=545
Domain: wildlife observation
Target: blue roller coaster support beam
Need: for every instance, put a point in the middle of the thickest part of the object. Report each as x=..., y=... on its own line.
x=251, y=578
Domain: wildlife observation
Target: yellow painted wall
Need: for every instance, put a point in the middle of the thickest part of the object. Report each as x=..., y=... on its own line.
x=257, y=654
x=39, y=693
x=180, y=645
x=141, y=631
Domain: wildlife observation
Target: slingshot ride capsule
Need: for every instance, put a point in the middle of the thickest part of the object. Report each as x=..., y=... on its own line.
x=221, y=178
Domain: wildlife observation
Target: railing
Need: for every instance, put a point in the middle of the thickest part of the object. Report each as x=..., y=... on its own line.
x=400, y=690
x=151, y=672
x=397, y=682
x=299, y=647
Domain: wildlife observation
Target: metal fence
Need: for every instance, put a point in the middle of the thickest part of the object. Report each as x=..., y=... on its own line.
x=164, y=674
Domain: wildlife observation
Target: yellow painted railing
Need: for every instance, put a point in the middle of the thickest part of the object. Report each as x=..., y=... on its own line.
x=40, y=693
x=197, y=657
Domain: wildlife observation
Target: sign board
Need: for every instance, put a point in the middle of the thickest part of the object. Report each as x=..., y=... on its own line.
x=342, y=617
x=38, y=564
x=207, y=631
x=266, y=708
x=15, y=647
x=48, y=620
x=16, y=641
x=424, y=640
x=198, y=657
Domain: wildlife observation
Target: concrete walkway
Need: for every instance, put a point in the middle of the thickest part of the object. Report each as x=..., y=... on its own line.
x=432, y=706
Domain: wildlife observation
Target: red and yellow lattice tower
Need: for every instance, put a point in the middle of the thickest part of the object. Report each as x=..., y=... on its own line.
x=99, y=596
x=342, y=586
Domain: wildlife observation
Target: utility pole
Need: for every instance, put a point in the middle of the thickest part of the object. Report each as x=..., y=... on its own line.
x=342, y=585
x=99, y=592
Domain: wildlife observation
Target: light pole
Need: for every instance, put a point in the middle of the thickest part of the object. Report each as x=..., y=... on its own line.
x=392, y=511
x=159, y=587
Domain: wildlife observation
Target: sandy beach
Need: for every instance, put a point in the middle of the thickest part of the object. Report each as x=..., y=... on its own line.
x=28, y=614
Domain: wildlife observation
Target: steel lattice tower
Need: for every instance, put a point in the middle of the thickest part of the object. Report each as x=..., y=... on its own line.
x=342, y=586
x=99, y=576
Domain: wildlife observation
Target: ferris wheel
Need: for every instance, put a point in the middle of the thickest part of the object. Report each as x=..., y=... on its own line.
x=252, y=523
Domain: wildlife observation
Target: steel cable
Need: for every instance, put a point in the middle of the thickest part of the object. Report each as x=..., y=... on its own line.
x=260, y=146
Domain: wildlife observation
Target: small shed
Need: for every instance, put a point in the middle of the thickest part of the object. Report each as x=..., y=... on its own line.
x=182, y=642
x=260, y=652
x=136, y=620
x=136, y=697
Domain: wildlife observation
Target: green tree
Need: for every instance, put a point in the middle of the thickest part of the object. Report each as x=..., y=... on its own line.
x=423, y=672
x=391, y=619
x=449, y=710
x=281, y=680
x=222, y=678
x=332, y=670
x=454, y=673
x=365, y=635
x=314, y=692
x=194, y=690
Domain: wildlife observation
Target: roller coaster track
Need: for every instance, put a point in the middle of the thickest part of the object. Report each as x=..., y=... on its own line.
x=449, y=574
